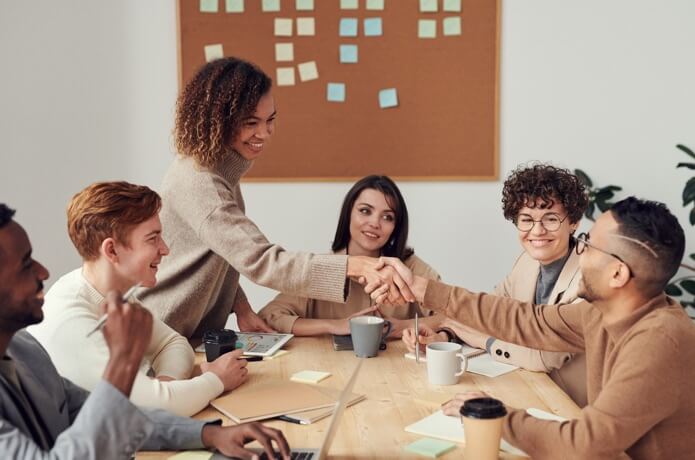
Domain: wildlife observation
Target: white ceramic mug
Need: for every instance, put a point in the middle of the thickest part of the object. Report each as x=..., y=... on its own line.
x=445, y=363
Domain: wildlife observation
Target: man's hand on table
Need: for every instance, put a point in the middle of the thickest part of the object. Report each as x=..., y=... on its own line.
x=454, y=405
x=230, y=440
x=230, y=368
x=248, y=320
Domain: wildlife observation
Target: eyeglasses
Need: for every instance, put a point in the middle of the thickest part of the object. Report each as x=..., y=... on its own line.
x=583, y=242
x=551, y=222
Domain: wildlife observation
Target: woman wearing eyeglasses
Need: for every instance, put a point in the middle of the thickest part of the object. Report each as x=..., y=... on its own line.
x=545, y=204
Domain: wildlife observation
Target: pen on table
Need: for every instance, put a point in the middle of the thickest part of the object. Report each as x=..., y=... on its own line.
x=285, y=418
x=104, y=317
x=417, y=341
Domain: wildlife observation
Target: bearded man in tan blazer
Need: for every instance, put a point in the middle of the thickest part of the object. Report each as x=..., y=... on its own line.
x=545, y=203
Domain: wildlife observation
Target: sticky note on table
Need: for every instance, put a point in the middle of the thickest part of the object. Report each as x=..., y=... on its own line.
x=283, y=27
x=388, y=98
x=191, y=455
x=372, y=27
x=375, y=5
x=335, y=92
x=429, y=447
x=428, y=6
x=278, y=354
x=270, y=6
x=348, y=54
x=304, y=5
x=308, y=71
x=285, y=76
x=348, y=27
x=310, y=376
x=234, y=6
x=284, y=52
x=452, y=26
x=453, y=6
x=348, y=4
x=213, y=52
x=306, y=26
x=427, y=28
x=209, y=6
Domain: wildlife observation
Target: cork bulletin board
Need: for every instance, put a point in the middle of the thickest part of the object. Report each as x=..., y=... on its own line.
x=419, y=103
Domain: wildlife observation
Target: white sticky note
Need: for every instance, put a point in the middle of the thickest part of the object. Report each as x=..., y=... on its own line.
x=310, y=376
x=335, y=92
x=453, y=6
x=191, y=455
x=284, y=52
x=349, y=4
x=375, y=5
x=348, y=54
x=452, y=26
x=306, y=26
x=427, y=28
x=283, y=27
x=234, y=6
x=428, y=6
x=308, y=71
x=209, y=6
x=285, y=76
x=270, y=6
x=304, y=5
x=213, y=52
x=388, y=98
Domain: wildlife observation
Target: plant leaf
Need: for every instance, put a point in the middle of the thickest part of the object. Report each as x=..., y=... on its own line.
x=583, y=177
x=686, y=165
x=692, y=222
x=604, y=205
x=673, y=290
x=603, y=195
x=688, y=286
x=612, y=188
x=689, y=191
x=686, y=150
x=589, y=213
x=692, y=256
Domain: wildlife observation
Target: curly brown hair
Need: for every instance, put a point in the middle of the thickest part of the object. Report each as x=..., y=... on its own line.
x=528, y=184
x=212, y=106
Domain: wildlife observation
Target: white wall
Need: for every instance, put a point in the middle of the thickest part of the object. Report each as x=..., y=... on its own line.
x=87, y=92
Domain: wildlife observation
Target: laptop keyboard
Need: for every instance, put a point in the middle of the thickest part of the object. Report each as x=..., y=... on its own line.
x=293, y=456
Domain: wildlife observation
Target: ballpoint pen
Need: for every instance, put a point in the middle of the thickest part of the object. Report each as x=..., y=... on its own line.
x=104, y=317
x=417, y=341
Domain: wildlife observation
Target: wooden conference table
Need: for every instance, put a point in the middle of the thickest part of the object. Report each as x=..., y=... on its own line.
x=398, y=394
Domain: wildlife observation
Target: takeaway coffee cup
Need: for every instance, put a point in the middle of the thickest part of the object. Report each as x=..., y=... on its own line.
x=445, y=363
x=218, y=342
x=482, y=425
x=367, y=333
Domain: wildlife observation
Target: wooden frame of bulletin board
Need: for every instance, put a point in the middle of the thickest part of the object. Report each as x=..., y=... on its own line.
x=445, y=123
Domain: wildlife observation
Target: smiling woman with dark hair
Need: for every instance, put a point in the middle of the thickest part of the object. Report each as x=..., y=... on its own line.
x=373, y=222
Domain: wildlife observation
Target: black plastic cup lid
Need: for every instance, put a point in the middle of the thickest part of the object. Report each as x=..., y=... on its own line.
x=483, y=408
x=219, y=336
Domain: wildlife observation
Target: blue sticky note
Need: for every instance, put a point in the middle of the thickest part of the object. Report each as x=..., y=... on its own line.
x=269, y=6
x=348, y=27
x=372, y=27
x=348, y=54
x=335, y=92
x=388, y=98
x=209, y=6
x=428, y=447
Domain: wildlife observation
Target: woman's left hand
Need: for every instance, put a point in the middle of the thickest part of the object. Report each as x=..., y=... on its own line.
x=249, y=321
x=453, y=407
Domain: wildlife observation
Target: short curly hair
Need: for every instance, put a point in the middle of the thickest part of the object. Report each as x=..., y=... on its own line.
x=529, y=183
x=212, y=106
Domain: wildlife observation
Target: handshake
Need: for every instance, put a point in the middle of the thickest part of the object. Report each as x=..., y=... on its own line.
x=387, y=280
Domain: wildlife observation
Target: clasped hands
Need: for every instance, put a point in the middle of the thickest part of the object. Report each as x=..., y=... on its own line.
x=386, y=279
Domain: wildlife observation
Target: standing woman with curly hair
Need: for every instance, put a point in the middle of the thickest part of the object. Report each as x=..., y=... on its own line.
x=225, y=116
x=545, y=204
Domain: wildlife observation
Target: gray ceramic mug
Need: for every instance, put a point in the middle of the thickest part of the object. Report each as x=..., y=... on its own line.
x=367, y=334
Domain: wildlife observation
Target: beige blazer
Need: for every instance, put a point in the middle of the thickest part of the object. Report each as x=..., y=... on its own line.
x=566, y=369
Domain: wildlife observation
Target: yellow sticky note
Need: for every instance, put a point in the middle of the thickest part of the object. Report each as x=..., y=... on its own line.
x=348, y=4
x=283, y=27
x=284, y=52
x=310, y=376
x=277, y=354
x=209, y=6
x=304, y=5
x=428, y=6
x=306, y=26
x=375, y=4
x=308, y=71
x=427, y=28
x=213, y=52
x=234, y=6
x=453, y=6
x=270, y=6
x=452, y=26
x=192, y=455
x=285, y=76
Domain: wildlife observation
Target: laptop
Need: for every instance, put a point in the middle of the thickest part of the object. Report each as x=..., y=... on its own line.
x=322, y=452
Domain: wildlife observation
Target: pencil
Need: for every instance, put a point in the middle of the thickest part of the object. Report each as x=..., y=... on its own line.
x=417, y=341
x=103, y=319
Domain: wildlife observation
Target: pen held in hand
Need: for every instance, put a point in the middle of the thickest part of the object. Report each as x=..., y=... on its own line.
x=104, y=317
x=417, y=340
